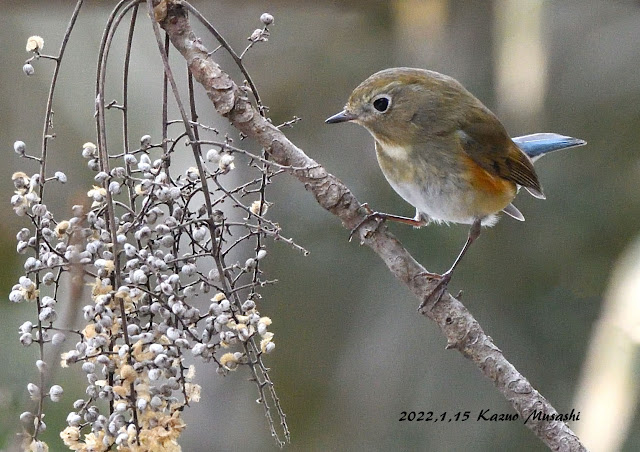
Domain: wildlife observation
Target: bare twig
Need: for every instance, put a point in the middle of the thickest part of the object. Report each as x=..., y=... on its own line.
x=46, y=136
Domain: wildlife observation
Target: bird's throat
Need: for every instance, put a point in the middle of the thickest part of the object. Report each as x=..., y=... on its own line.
x=395, y=162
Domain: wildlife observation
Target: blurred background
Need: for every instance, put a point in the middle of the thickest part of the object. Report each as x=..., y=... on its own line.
x=559, y=294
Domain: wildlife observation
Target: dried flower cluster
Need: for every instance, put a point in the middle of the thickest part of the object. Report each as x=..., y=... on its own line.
x=173, y=265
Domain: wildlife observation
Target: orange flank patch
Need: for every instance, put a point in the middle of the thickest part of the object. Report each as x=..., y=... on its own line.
x=492, y=193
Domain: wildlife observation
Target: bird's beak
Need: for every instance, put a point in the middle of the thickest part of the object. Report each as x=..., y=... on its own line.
x=343, y=116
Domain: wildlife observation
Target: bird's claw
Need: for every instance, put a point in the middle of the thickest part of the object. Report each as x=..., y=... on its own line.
x=437, y=292
x=370, y=215
x=365, y=206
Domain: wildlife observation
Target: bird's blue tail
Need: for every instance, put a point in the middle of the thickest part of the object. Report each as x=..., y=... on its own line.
x=538, y=144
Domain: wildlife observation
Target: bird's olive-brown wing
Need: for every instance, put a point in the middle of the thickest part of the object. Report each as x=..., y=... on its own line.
x=486, y=141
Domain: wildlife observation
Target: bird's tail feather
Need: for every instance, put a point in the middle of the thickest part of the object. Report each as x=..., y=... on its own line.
x=538, y=144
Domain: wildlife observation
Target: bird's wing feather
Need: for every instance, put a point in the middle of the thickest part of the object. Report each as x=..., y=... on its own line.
x=485, y=140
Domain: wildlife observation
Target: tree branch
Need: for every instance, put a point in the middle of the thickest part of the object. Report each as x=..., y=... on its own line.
x=462, y=331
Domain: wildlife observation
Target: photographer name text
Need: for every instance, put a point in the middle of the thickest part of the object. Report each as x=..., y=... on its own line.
x=486, y=416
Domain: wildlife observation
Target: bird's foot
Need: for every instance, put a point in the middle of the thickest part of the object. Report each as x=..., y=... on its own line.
x=437, y=292
x=370, y=215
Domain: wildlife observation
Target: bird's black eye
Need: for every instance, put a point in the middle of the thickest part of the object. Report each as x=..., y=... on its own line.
x=381, y=104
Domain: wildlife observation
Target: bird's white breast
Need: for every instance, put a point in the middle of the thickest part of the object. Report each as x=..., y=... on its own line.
x=436, y=195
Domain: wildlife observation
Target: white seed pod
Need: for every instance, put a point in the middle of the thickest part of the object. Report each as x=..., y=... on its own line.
x=62, y=177
x=121, y=407
x=26, y=283
x=27, y=418
x=144, y=164
x=139, y=277
x=19, y=147
x=23, y=234
x=47, y=301
x=190, y=291
x=16, y=296
x=39, y=210
x=192, y=174
x=213, y=275
x=198, y=349
x=130, y=250
x=145, y=141
x=266, y=18
x=31, y=264
x=155, y=374
x=166, y=288
x=41, y=365
x=162, y=361
x=26, y=327
x=89, y=150
x=243, y=333
x=58, y=339
x=34, y=391
x=256, y=35
x=141, y=404
x=269, y=347
x=188, y=269
x=55, y=393
x=130, y=159
x=200, y=233
x=261, y=254
x=213, y=155
x=167, y=241
x=93, y=165
x=156, y=402
x=226, y=163
x=114, y=187
x=175, y=193
x=28, y=69
x=35, y=181
x=118, y=171
x=101, y=177
x=225, y=305
x=26, y=339
x=132, y=329
x=178, y=309
x=74, y=419
x=22, y=247
x=41, y=446
x=142, y=233
x=162, y=229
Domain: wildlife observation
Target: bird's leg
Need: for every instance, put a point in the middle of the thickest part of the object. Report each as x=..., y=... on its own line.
x=416, y=222
x=434, y=296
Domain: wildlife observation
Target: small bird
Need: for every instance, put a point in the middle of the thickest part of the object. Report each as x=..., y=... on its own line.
x=445, y=153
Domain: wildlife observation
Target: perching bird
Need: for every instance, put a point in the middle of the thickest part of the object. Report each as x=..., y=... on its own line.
x=444, y=152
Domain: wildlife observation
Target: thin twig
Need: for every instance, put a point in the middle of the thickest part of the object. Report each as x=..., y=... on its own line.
x=237, y=59
x=43, y=167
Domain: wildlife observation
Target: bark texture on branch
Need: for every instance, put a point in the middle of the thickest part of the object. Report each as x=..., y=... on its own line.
x=462, y=331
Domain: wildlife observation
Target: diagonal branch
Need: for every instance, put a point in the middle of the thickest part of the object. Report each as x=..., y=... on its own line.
x=462, y=331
